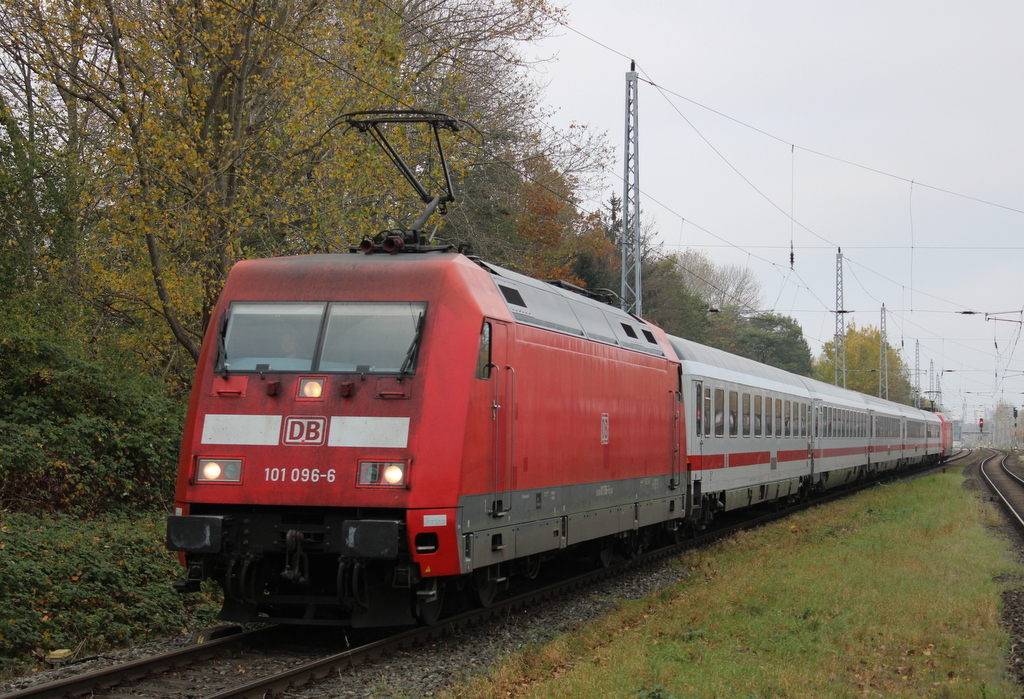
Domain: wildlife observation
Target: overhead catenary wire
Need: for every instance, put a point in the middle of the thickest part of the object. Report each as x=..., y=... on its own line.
x=665, y=91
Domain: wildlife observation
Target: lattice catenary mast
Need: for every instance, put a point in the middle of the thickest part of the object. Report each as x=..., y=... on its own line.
x=883, y=359
x=632, y=291
x=840, y=360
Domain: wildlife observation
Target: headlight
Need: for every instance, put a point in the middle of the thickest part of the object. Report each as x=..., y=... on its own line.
x=311, y=388
x=219, y=471
x=386, y=473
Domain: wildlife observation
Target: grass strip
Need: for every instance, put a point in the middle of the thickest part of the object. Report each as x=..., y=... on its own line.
x=894, y=592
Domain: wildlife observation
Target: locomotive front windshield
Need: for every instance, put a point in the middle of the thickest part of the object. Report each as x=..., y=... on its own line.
x=344, y=337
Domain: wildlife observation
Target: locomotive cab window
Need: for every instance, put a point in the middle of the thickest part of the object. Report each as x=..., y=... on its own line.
x=281, y=336
x=357, y=337
x=372, y=337
x=483, y=359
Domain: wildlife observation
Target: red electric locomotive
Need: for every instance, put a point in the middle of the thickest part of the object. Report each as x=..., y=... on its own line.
x=366, y=428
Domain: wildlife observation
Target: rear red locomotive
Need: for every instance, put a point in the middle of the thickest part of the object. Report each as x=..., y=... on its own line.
x=365, y=428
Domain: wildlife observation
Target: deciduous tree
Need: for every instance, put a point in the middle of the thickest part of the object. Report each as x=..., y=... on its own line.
x=195, y=134
x=720, y=285
x=862, y=364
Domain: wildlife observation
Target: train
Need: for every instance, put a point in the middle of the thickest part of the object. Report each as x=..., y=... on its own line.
x=370, y=431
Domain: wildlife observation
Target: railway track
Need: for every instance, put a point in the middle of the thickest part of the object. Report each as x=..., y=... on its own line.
x=1007, y=486
x=271, y=660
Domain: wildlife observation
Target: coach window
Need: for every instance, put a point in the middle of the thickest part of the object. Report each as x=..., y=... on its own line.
x=805, y=414
x=788, y=424
x=734, y=400
x=768, y=416
x=698, y=389
x=746, y=414
x=719, y=412
x=709, y=416
x=483, y=357
x=757, y=416
x=778, y=417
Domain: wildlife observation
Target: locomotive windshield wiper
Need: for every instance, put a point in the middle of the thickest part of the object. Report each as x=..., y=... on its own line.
x=410, y=356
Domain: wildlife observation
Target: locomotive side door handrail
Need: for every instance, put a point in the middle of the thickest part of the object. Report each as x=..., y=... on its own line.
x=674, y=441
x=503, y=468
x=502, y=421
x=510, y=416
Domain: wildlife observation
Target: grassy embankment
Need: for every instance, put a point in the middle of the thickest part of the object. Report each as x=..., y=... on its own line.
x=891, y=593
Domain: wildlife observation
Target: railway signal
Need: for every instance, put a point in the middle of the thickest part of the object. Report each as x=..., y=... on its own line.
x=981, y=425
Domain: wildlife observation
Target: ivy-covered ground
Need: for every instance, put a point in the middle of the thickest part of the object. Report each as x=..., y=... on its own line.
x=87, y=470
x=87, y=586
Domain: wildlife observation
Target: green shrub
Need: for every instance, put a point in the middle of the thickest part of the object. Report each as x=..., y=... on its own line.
x=79, y=439
x=102, y=584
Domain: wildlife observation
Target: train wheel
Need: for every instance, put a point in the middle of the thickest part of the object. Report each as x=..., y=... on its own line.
x=429, y=601
x=486, y=586
x=604, y=556
x=531, y=568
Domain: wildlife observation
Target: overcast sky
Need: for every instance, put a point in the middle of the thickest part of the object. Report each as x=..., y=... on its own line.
x=891, y=129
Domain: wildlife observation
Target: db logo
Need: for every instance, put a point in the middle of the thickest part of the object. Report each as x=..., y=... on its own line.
x=305, y=431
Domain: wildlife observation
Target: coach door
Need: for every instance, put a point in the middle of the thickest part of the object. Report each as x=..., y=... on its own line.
x=503, y=382
x=814, y=436
x=695, y=444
